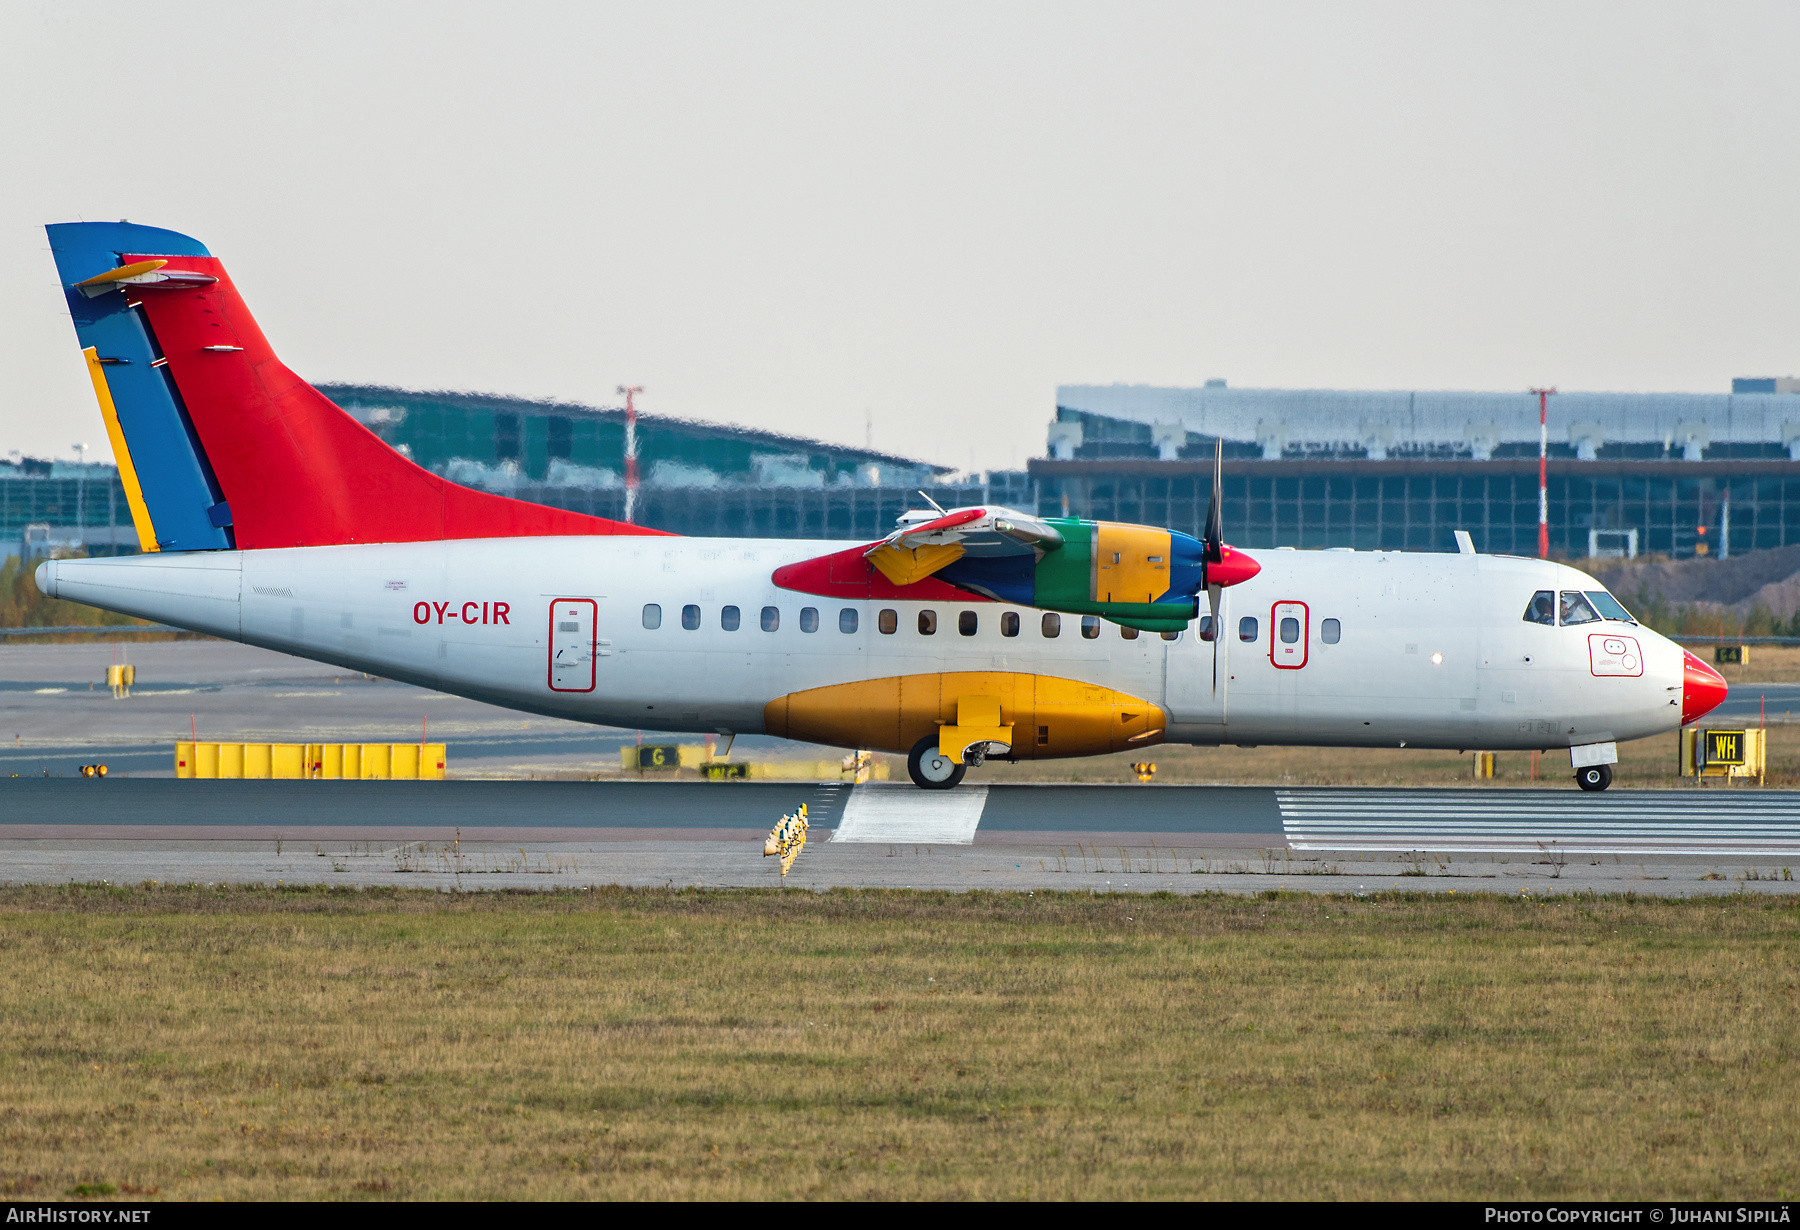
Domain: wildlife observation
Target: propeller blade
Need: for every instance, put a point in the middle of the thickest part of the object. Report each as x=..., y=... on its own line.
x=1213, y=537
x=1212, y=597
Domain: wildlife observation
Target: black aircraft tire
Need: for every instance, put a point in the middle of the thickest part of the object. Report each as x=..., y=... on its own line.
x=1594, y=778
x=917, y=766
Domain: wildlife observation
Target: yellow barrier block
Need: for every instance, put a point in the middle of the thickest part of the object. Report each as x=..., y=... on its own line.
x=287, y=760
x=375, y=761
x=292, y=761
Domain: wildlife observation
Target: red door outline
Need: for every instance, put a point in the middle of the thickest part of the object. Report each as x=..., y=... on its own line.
x=1275, y=642
x=593, y=618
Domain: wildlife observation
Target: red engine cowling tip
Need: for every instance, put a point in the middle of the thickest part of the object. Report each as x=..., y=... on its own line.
x=1702, y=688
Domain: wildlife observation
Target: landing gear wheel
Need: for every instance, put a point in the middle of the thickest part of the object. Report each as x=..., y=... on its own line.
x=930, y=769
x=1595, y=777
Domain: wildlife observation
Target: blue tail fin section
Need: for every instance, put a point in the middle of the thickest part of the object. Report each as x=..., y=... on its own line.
x=140, y=402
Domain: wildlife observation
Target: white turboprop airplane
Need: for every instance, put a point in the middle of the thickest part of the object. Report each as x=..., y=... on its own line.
x=269, y=516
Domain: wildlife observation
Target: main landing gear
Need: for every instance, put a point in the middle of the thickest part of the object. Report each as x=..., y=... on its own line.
x=1595, y=777
x=930, y=769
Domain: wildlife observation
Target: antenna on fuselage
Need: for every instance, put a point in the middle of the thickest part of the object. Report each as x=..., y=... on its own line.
x=933, y=503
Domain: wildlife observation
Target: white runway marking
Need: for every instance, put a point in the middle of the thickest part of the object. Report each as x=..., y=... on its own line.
x=905, y=814
x=1629, y=822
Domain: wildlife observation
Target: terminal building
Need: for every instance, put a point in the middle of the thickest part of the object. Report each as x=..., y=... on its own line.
x=1676, y=473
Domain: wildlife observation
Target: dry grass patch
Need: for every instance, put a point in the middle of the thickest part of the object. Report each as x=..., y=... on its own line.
x=251, y=1043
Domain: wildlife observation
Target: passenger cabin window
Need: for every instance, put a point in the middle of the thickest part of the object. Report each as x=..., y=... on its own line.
x=966, y=623
x=1247, y=628
x=888, y=621
x=1609, y=606
x=690, y=617
x=1289, y=630
x=809, y=619
x=1576, y=609
x=771, y=618
x=1174, y=636
x=1090, y=627
x=1331, y=631
x=1206, y=628
x=1127, y=634
x=1541, y=609
x=1009, y=623
x=728, y=618
x=847, y=619
x=1052, y=625
x=927, y=623
x=652, y=615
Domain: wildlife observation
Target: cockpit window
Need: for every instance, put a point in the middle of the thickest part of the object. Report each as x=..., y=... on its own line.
x=1542, y=608
x=1609, y=606
x=1576, y=609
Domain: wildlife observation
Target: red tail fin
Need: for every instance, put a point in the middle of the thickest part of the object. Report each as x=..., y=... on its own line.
x=295, y=470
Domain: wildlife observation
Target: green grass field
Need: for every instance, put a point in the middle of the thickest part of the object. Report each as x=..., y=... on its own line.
x=240, y=1043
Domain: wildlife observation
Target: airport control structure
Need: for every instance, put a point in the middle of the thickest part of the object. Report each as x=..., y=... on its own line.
x=1678, y=474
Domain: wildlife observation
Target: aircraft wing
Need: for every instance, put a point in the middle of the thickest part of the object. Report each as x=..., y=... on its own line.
x=921, y=547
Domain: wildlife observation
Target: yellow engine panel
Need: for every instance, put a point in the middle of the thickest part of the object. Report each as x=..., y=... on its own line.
x=1049, y=717
x=1131, y=562
x=904, y=567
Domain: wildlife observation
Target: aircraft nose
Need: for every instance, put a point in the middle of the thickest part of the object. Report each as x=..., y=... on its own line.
x=1702, y=688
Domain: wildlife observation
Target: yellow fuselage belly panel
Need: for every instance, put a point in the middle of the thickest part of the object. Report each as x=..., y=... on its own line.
x=1050, y=716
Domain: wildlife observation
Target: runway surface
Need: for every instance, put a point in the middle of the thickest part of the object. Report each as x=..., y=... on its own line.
x=1747, y=703
x=141, y=824
x=458, y=836
x=1719, y=822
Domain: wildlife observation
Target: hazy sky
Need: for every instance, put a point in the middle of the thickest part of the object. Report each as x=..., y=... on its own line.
x=796, y=216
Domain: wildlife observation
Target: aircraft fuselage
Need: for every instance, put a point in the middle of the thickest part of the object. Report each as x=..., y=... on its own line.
x=1383, y=648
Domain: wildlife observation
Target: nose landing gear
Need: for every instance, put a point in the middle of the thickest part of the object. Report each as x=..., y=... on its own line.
x=1595, y=777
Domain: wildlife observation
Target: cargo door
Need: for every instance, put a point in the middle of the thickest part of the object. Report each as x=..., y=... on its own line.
x=572, y=624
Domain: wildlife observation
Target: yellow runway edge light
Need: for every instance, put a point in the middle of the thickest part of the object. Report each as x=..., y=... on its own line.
x=787, y=839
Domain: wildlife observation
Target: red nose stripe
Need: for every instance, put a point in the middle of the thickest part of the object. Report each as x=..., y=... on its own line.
x=1702, y=688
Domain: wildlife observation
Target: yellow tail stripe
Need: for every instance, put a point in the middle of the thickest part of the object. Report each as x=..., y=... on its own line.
x=134, y=493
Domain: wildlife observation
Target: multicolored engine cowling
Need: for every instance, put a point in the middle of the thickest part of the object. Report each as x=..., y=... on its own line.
x=1133, y=575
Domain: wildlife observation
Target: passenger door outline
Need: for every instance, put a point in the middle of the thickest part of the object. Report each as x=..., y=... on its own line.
x=571, y=665
x=1282, y=655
